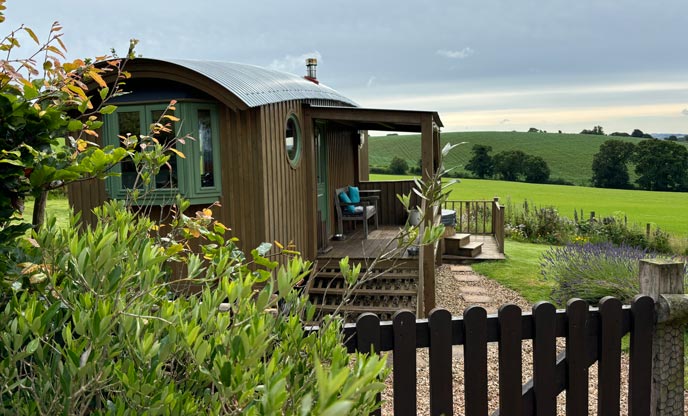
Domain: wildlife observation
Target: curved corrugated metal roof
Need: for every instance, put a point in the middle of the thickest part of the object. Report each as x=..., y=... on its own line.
x=257, y=86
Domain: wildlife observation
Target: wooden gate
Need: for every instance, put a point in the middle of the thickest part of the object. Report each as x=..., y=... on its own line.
x=591, y=334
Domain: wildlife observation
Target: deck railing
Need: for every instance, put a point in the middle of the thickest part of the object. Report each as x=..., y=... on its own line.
x=480, y=217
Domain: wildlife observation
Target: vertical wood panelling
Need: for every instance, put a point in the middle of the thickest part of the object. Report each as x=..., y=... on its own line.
x=284, y=187
x=341, y=154
x=241, y=175
x=392, y=212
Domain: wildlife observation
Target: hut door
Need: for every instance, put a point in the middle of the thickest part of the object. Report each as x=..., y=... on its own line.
x=321, y=188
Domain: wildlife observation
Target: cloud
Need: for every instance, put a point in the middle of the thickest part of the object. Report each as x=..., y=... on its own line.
x=462, y=54
x=370, y=82
x=292, y=63
x=506, y=120
x=685, y=112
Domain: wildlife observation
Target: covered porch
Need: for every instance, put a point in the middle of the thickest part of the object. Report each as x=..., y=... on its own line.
x=391, y=213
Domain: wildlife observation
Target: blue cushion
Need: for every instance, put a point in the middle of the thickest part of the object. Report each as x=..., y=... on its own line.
x=354, y=195
x=344, y=198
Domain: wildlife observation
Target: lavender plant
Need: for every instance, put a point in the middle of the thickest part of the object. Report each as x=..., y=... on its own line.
x=592, y=271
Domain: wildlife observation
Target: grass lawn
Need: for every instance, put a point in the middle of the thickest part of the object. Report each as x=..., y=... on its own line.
x=520, y=271
x=58, y=207
x=664, y=209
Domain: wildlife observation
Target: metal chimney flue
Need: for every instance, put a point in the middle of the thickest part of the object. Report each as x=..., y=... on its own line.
x=311, y=65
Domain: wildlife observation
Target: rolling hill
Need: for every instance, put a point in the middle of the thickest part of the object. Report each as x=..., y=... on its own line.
x=569, y=156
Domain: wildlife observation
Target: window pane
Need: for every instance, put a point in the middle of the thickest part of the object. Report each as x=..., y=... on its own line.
x=128, y=122
x=205, y=140
x=292, y=140
x=167, y=177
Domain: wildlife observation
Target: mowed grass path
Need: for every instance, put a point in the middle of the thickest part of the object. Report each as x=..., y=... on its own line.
x=668, y=210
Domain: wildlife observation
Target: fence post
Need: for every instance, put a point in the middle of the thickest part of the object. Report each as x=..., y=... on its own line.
x=657, y=279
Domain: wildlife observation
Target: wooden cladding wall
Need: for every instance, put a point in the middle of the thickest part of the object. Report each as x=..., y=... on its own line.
x=86, y=195
x=392, y=212
x=342, y=148
x=284, y=187
x=241, y=203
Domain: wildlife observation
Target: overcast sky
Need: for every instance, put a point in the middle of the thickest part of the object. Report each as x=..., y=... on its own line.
x=483, y=65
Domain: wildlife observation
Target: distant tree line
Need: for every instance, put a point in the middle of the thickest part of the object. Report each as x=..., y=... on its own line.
x=509, y=165
x=660, y=165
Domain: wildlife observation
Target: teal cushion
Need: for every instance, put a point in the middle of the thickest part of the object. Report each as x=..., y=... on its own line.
x=354, y=195
x=344, y=199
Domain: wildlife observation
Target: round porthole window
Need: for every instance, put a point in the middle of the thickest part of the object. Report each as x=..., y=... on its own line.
x=292, y=140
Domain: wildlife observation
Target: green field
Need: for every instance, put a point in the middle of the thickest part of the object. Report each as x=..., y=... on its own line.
x=569, y=156
x=665, y=209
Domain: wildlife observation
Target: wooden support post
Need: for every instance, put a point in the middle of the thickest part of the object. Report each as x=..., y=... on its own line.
x=427, y=254
x=647, y=230
x=659, y=278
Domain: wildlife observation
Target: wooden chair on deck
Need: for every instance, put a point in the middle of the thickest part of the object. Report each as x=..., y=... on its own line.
x=362, y=211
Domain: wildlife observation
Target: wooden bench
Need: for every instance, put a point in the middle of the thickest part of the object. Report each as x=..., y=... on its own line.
x=369, y=205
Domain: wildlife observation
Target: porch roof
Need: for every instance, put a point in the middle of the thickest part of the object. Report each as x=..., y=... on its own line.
x=375, y=119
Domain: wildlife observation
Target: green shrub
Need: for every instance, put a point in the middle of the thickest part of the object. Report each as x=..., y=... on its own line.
x=591, y=271
x=537, y=224
x=91, y=325
x=398, y=166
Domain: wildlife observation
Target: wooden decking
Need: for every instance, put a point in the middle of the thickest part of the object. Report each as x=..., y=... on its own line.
x=490, y=250
x=379, y=240
x=355, y=246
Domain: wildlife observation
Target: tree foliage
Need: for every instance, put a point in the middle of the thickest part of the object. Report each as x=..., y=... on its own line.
x=49, y=125
x=597, y=130
x=610, y=164
x=398, y=166
x=509, y=164
x=536, y=170
x=481, y=163
x=661, y=165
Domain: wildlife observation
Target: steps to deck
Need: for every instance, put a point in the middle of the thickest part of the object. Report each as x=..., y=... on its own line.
x=386, y=289
x=460, y=246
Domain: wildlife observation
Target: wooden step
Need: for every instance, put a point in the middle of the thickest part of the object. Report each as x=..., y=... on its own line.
x=411, y=274
x=470, y=249
x=453, y=243
x=388, y=292
x=359, y=309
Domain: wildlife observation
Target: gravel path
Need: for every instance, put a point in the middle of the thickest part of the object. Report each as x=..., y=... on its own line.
x=458, y=289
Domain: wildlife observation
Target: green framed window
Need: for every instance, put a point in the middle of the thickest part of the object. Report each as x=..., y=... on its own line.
x=292, y=140
x=196, y=176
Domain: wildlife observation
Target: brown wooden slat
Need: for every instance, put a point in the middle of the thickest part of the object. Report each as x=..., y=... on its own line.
x=510, y=359
x=404, y=363
x=576, y=357
x=640, y=366
x=441, y=402
x=544, y=358
x=475, y=361
x=368, y=338
x=340, y=292
x=609, y=367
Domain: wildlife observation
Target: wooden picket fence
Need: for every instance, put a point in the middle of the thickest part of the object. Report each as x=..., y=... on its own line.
x=592, y=335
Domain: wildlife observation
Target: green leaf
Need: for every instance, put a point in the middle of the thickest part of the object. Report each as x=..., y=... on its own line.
x=30, y=92
x=108, y=109
x=339, y=408
x=74, y=125
x=104, y=92
x=33, y=345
